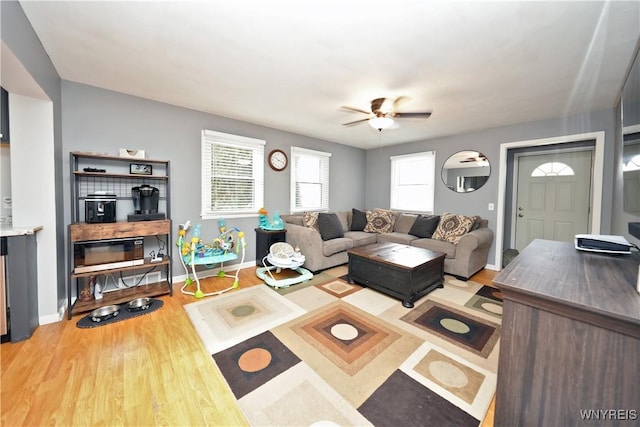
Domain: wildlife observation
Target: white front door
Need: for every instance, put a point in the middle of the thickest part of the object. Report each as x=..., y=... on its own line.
x=553, y=197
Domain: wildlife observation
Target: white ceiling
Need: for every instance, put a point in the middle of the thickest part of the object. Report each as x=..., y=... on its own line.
x=291, y=64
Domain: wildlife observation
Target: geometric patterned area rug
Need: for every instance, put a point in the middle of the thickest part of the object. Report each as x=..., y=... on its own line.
x=334, y=353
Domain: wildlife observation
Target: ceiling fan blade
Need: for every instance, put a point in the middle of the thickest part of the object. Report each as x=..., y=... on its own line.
x=400, y=100
x=424, y=115
x=357, y=110
x=355, y=122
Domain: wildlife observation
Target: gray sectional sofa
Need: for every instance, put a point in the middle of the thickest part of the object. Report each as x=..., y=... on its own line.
x=465, y=257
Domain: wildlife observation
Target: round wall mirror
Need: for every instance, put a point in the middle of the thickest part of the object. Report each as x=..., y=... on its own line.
x=466, y=171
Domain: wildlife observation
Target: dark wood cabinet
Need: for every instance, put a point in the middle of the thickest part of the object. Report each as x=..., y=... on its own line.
x=264, y=240
x=570, y=343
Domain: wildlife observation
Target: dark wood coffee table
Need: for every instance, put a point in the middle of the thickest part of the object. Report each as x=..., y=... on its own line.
x=402, y=271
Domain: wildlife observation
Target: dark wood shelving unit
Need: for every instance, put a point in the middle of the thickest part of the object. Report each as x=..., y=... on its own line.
x=121, y=296
x=116, y=180
x=147, y=264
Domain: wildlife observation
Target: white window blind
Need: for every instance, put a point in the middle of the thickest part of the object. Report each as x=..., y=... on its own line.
x=309, y=180
x=412, y=182
x=232, y=175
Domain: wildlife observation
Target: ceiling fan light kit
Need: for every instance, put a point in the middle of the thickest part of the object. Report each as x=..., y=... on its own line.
x=383, y=112
x=381, y=123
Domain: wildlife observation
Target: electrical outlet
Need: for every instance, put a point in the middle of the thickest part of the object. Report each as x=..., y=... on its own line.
x=491, y=206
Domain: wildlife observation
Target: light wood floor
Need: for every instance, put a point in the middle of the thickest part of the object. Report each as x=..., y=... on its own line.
x=146, y=371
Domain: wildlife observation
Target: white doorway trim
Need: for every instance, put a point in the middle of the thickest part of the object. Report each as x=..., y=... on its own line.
x=598, y=173
x=514, y=182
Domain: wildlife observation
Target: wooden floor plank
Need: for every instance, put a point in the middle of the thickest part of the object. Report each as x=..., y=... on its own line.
x=148, y=370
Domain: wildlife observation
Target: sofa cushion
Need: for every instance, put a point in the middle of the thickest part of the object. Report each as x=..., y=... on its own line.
x=437, y=246
x=358, y=220
x=452, y=227
x=343, y=216
x=424, y=226
x=333, y=246
x=293, y=219
x=379, y=222
x=329, y=226
x=395, y=237
x=361, y=238
x=311, y=220
x=404, y=222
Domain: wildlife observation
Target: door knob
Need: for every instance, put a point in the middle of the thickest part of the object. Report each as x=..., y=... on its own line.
x=520, y=208
x=520, y=215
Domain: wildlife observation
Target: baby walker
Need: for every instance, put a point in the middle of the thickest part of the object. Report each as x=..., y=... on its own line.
x=283, y=255
x=224, y=248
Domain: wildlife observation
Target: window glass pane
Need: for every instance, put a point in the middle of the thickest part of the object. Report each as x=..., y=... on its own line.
x=309, y=180
x=413, y=172
x=309, y=195
x=229, y=194
x=553, y=169
x=412, y=182
x=232, y=161
x=308, y=169
x=232, y=175
x=633, y=164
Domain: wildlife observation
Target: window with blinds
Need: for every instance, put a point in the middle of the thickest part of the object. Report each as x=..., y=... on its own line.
x=232, y=175
x=412, y=182
x=309, y=180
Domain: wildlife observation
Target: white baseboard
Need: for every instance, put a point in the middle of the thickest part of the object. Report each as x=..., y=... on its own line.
x=214, y=271
x=492, y=267
x=53, y=318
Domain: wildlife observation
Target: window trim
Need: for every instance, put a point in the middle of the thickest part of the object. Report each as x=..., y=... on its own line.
x=323, y=157
x=429, y=156
x=211, y=138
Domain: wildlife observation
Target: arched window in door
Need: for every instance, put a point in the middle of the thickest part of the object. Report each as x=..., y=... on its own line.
x=633, y=164
x=553, y=169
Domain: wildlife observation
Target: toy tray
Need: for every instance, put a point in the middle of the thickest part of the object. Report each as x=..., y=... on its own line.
x=211, y=259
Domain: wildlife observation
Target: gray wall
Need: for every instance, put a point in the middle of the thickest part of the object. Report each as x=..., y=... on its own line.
x=100, y=120
x=488, y=142
x=19, y=37
x=104, y=121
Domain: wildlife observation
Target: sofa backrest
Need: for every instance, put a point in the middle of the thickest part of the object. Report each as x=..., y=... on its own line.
x=298, y=219
x=346, y=217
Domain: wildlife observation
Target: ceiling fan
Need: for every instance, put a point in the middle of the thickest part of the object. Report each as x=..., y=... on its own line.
x=479, y=158
x=383, y=111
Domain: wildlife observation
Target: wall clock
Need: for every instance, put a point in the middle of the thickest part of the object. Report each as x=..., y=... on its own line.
x=278, y=160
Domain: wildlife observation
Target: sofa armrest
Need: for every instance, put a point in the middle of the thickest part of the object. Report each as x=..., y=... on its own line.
x=479, y=239
x=307, y=239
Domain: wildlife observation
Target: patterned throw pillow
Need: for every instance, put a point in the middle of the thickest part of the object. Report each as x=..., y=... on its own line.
x=379, y=222
x=392, y=214
x=452, y=227
x=311, y=220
